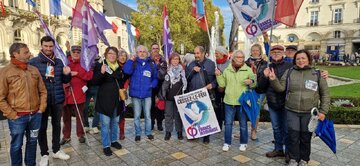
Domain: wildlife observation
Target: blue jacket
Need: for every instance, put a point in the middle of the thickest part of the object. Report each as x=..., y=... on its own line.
x=54, y=86
x=201, y=79
x=142, y=79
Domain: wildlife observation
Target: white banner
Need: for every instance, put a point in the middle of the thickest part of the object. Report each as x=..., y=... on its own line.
x=197, y=114
x=254, y=16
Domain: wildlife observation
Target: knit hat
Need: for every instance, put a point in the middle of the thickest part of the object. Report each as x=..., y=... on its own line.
x=222, y=50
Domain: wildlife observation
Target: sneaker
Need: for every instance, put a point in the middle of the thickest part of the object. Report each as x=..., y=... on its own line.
x=82, y=140
x=167, y=136
x=206, y=140
x=61, y=155
x=64, y=141
x=137, y=138
x=314, y=120
x=180, y=135
x=116, y=145
x=94, y=130
x=107, y=151
x=275, y=153
x=44, y=160
x=150, y=137
x=303, y=163
x=243, y=147
x=226, y=147
x=293, y=163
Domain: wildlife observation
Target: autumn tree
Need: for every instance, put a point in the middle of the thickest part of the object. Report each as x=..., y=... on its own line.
x=183, y=27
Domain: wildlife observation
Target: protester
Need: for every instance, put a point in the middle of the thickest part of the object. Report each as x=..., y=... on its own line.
x=123, y=56
x=143, y=79
x=289, y=53
x=161, y=65
x=75, y=96
x=222, y=62
x=54, y=75
x=305, y=89
x=257, y=64
x=237, y=77
x=109, y=76
x=22, y=100
x=201, y=73
x=175, y=83
x=276, y=101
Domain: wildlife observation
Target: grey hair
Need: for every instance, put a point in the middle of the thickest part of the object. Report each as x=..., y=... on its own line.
x=122, y=51
x=201, y=48
x=16, y=48
x=236, y=53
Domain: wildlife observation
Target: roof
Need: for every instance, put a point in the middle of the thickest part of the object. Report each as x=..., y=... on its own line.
x=113, y=8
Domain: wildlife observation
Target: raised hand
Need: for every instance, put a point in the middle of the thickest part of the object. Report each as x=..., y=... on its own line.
x=103, y=69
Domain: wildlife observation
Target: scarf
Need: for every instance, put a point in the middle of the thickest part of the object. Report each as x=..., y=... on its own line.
x=176, y=74
x=49, y=59
x=222, y=60
x=112, y=66
x=19, y=64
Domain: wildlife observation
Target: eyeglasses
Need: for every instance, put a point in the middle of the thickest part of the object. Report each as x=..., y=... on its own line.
x=76, y=52
x=277, y=52
x=155, y=48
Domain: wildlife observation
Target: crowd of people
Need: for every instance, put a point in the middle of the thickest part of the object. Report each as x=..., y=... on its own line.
x=31, y=90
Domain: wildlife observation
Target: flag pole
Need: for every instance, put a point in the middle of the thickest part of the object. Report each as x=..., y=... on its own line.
x=271, y=30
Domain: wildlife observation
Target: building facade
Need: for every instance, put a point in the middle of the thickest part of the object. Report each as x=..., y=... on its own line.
x=324, y=25
x=20, y=24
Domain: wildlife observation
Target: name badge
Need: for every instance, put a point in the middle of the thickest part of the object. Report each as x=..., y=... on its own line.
x=311, y=85
x=147, y=73
x=50, y=71
x=108, y=70
x=84, y=88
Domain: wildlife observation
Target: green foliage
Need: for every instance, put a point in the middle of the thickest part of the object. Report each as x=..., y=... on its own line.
x=182, y=25
x=351, y=90
x=352, y=72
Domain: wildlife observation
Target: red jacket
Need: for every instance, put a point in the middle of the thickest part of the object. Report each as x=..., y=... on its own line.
x=77, y=83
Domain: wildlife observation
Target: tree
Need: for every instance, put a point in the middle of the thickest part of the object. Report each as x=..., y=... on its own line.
x=183, y=27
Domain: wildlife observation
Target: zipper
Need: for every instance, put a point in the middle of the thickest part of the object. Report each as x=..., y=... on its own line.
x=27, y=87
x=302, y=79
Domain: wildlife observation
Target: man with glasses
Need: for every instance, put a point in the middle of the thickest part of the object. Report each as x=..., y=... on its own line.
x=290, y=53
x=161, y=68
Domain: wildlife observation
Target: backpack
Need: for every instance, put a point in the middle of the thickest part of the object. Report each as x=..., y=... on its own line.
x=288, y=80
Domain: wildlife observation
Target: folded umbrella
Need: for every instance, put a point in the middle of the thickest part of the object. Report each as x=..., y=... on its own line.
x=326, y=132
x=249, y=101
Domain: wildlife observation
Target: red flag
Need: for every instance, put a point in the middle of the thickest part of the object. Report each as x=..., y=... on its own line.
x=2, y=8
x=200, y=20
x=115, y=27
x=287, y=10
x=137, y=31
x=77, y=14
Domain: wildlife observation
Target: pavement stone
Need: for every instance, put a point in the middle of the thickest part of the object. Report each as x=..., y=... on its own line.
x=192, y=152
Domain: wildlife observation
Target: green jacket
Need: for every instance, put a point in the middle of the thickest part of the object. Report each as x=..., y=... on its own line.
x=300, y=98
x=233, y=82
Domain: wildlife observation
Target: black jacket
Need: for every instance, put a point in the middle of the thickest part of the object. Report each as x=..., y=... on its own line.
x=274, y=99
x=108, y=95
x=260, y=66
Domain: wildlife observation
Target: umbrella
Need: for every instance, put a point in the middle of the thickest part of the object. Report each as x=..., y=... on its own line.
x=326, y=132
x=249, y=102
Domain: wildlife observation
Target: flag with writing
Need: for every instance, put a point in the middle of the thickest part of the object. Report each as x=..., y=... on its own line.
x=198, y=12
x=168, y=47
x=59, y=53
x=287, y=10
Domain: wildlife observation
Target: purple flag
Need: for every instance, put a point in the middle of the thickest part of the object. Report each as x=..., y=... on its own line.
x=100, y=24
x=89, y=49
x=59, y=53
x=166, y=36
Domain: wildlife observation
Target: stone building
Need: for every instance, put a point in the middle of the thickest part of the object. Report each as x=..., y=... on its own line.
x=323, y=25
x=21, y=25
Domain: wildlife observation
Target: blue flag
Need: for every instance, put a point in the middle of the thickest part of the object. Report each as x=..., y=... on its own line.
x=31, y=3
x=131, y=40
x=55, y=7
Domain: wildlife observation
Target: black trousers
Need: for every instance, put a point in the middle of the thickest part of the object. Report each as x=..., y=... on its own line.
x=299, y=136
x=219, y=108
x=55, y=111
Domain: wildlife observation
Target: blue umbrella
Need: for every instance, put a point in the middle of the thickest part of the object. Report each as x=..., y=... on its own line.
x=326, y=132
x=249, y=101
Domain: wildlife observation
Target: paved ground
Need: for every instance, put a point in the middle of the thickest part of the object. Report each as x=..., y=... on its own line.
x=194, y=152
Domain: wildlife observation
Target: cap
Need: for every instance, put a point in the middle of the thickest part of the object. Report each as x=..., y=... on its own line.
x=291, y=47
x=277, y=47
x=75, y=47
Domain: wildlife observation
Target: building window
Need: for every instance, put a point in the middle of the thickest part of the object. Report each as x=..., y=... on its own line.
x=314, y=18
x=337, y=34
x=17, y=35
x=338, y=15
x=292, y=38
x=314, y=1
x=14, y=3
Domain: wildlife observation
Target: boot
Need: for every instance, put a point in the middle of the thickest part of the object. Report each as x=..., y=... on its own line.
x=167, y=136
x=254, y=130
x=122, y=129
x=180, y=136
x=159, y=126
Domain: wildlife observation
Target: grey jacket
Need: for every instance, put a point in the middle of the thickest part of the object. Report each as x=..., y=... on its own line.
x=300, y=98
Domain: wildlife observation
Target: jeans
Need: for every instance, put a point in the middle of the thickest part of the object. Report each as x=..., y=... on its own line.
x=280, y=129
x=230, y=112
x=109, y=129
x=142, y=104
x=91, y=93
x=55, y=110
x=29, y=126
